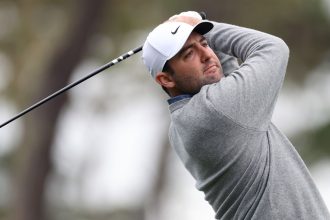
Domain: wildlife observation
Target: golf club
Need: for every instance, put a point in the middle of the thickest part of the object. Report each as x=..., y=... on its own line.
x=102, y=68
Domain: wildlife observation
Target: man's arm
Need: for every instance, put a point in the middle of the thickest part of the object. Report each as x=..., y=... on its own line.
x=248, y=95
x=229, y=63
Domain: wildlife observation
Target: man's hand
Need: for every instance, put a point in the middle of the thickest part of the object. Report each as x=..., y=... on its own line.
x=189, y=17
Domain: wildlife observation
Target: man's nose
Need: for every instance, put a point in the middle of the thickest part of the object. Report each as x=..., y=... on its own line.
x=204, y=53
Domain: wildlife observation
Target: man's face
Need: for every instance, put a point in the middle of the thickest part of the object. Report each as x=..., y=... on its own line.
x=194, y=66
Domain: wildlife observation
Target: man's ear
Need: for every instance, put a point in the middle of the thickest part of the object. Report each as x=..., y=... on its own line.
x=165, y=79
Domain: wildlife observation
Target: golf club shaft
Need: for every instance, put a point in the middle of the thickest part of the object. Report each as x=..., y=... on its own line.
x=71, y=85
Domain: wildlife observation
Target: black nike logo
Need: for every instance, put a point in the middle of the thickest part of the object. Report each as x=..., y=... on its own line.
x=176, y=30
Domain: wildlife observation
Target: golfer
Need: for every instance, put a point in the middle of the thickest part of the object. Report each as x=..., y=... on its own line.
x=223, y=82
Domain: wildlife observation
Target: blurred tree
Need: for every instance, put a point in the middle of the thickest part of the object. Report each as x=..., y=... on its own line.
x=153, y=203
x=314, y=144
x=34, y=162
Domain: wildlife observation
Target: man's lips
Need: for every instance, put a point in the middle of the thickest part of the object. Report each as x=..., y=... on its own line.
x=210, y=69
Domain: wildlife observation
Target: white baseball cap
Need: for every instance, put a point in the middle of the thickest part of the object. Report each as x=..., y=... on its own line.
x=166, y=40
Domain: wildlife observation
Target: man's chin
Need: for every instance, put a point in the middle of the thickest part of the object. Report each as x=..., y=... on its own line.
x=212, y=79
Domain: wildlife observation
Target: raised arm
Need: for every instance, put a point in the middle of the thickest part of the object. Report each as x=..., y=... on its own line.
x=248, y=94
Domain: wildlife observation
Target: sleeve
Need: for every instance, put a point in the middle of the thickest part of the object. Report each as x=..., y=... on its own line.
x=229, y=63
x=248, y=94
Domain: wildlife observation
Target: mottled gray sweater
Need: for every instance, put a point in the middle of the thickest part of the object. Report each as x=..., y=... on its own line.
x=224, y=135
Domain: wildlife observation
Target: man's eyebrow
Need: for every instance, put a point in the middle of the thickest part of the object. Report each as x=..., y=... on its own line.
x=183, y=49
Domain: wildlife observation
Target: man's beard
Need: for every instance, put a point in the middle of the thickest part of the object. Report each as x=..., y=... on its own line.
x=192, y=86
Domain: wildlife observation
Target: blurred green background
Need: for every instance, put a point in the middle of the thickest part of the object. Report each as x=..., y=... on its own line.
x=101, y=150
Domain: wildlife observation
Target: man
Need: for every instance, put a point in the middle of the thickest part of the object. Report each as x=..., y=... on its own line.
x=221, y=118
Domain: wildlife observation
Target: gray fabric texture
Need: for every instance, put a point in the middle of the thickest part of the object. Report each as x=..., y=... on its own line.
x=224, y=136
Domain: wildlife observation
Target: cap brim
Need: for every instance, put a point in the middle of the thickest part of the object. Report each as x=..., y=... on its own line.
x=203, y=27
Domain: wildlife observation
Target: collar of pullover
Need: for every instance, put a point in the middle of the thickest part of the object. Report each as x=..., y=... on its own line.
x=178, y=98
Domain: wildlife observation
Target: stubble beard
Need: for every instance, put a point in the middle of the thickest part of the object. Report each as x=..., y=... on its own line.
x=193, y=86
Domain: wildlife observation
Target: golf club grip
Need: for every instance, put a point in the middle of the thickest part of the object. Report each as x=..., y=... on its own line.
x=203, y=15
x=71, y=85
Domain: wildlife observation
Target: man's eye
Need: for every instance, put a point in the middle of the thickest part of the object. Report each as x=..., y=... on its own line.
x=205, y=44
x=188, y=54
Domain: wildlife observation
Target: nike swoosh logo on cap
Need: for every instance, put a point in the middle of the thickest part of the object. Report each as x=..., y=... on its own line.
x=176, y=30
